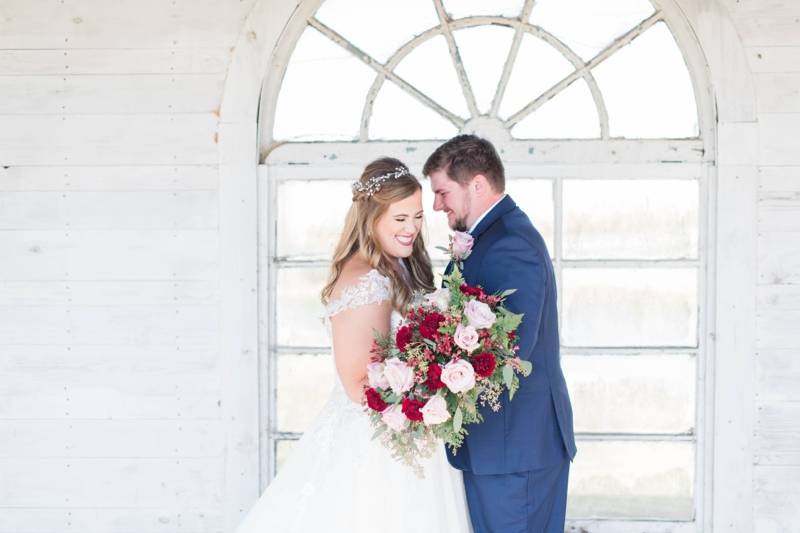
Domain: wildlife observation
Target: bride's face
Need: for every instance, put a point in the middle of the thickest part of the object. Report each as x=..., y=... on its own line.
x=398, y=228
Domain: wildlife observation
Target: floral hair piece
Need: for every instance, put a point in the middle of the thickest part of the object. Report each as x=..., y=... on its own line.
x=374, y=184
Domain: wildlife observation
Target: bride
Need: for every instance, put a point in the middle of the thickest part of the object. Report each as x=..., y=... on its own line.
x=339, y=480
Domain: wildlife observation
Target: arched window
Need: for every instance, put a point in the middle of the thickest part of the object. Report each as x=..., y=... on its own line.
x=593, y=109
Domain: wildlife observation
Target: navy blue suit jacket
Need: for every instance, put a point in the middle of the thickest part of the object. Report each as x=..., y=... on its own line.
x=535, y=428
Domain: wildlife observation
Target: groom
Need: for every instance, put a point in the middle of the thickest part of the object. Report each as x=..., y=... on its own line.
x=516, y=463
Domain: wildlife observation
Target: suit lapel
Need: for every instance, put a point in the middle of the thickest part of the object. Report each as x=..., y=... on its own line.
x=506, y=205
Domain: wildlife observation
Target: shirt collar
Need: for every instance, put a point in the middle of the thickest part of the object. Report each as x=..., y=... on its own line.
x=478, y=221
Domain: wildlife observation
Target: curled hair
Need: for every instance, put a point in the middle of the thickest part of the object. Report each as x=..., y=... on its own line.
x=465, y=156
x=358, y=235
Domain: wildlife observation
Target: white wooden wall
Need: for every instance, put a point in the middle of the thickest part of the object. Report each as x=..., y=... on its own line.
x=770, y=31
x=110, y=369
x=119, y=248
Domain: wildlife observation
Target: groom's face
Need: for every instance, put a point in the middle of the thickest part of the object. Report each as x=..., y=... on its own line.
x=453, y=199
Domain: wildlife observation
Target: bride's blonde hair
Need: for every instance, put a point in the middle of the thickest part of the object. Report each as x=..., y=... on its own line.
x=358, y=234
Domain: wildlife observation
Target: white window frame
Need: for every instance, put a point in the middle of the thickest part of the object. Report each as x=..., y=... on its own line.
x=551, y=160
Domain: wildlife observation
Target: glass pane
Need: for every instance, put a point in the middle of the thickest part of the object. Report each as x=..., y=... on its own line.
x=378, y=27
x=588, y=26
x=430, y=69
x=398, y=115
x=304, y=384
x=615, y=219
x=283, y=450
x=472, y=8
x=629, y=307
x=632, y=479
x=632, y=394
x=571, y=114
x=537, y=68
x=302, y=236
x=647, y=88
x=535, y=197
x=483, y=50
x=299, y=308
x=303, y=111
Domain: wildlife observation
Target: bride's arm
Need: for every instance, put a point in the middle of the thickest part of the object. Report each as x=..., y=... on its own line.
x=353, y=335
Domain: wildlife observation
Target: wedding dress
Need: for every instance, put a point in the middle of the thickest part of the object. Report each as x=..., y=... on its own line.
x=339, y=480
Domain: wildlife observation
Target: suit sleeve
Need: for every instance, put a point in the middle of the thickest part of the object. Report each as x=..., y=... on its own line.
x=513, y=263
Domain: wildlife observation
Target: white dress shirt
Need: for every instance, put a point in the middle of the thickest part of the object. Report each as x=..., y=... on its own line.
x=475, y=224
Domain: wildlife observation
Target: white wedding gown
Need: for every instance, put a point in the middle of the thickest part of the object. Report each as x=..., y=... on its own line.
x=339, y=480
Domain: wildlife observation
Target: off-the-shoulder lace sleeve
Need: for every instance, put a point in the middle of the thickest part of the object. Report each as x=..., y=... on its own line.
x=372, y=288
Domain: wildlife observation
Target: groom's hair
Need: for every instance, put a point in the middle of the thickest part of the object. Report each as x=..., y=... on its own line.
x=465, y=156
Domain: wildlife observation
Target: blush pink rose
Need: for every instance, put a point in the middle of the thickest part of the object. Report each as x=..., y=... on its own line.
x=461, y=245
x=459, y=376
x=394, y=417
x=466, y=338
x=439, y=298
x=479, y=314
x=375, y=376
x=399, y=375
x=435, y=411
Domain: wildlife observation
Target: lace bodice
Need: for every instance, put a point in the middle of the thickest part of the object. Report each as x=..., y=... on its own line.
x=372, y=288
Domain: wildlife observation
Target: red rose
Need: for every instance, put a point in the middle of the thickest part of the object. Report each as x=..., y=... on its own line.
x=434, y=381
x=411, y=409
x=511, y=335
x=484, y=364
x=471, y=291
x=403, y=337
x=374, y=400
x=430, y=325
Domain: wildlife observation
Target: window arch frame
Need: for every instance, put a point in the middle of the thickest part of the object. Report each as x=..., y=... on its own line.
x=699, y=152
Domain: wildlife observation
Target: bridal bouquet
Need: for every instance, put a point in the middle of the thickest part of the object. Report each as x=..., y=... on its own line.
x=455, y=349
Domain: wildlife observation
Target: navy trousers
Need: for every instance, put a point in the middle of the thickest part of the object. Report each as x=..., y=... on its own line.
x=522, y=502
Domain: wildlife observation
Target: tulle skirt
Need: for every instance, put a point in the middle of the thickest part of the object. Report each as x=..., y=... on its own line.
x=339, y=480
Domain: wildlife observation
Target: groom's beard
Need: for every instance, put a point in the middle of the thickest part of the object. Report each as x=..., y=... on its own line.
x=460, y=225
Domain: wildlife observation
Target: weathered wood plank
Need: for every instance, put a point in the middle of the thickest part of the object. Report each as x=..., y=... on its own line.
x=779, y=59
x=781, y=179
x=109, y=178
x=108, y=139
x=100, y=356
x=782, y=217
x=769, y=29
x=777, y=375
x=107, y=403
x=111, y=482
x=776, y=433
x=106, y=324
x=71, y=382
x=114, y=61
x=778, y=329
x=113, y=292
x=779, y=257
x=778, y=143
x=111, y=438
x=775, y=496
x=109, y=255
x=123, y=24
x=778, y=93
x=130, y=94
x=129, y=210
x=774, y=298
x=158, y=519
